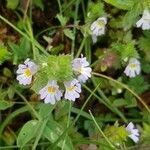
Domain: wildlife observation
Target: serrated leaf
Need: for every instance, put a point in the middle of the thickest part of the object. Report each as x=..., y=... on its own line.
x=138, y=84
x=5, y=104
x=52, y=132
x=116, y=134
x=12, y=4
x=21, y=51
x=144, y=45
x=63, y=20
x=28, y=132
x=121, y=4
x=69, y=33
x=125, y=50
x=130, y=100
x=59, y=68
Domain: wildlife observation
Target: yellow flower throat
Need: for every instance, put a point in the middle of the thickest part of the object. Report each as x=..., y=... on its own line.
x=133, y=66
x=51, y=89
x=71, y=88
x=28, y=72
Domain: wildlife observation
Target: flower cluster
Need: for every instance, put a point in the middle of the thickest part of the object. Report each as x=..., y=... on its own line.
x=52, y=92
x=122, y=133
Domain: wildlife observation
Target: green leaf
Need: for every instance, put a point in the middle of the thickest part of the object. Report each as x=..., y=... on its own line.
x=21, y=51
x=4, y=54
x=28, y=132
x=116, y=134
x=12, y=4
x=125, y=50
x=119, y=102
x=95, y=10
x=11, y=91
x=7, y=72
x=131, y=17
x=144, y=45
x=63, y=20
x=45, y=110
x=145, y=136
x=39, y=3
x=138, y=84
x=5, y=104
x=59, y=68
x=145, y=67
x=39, y=82
x=69, y=33
x=52, y=132
x=62, y=109
x=90, y=126
x=57, y=49
x=130, y=100
x=121, y=4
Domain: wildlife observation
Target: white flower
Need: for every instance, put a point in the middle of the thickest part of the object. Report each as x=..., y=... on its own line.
x=94, y=38
x=73, y=88
x=50, y=93
x=81, y=67
x=144, y=22
x=133, y=132
x=26, y=71
x=98, y=28
x=133, y=68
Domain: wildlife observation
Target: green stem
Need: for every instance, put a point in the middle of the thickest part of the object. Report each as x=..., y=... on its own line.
x=75, y=120
x=47, y=29
x=27, y=146
x=83, y=8
x=68, y=123
x=88, y=49
x=29, y=105
x=69, y=5
x=43, y=123
x=26, y=10
x=107, y=105
x=41, y=129
x=24, y=35
x=96, y=142
x=74, y=29
x=60, y=8
x=101, y=131
x=11, y=116
x=32, y=38
x=81, y=47
x=124, y=86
